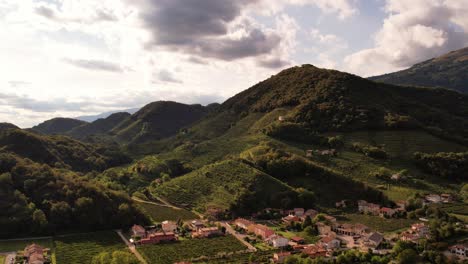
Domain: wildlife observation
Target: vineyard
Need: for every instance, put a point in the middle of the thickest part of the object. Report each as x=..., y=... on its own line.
x=161, y=213
x=82, y=248
x=190, y=249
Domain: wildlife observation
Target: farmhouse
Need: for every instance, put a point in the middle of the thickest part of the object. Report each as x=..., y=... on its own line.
x=197, y=224
x=341, y=204
x=261, y=230
x=169, y=226
x=415, y=233
x=297, y=240
x=323, y=229
x=459, y=250
x=291, y=219
x=433, y=198
x=138, y=231
x=158, y=237
x=311, y=213
x=371, y=208
x=315, y=251
x=277, y=241
x=372, y=241
x=34, y=254
x=446, y=198
x=243, y=223
x=387, y=212
x=350, y=229
x=206, y=232
x=330, y=242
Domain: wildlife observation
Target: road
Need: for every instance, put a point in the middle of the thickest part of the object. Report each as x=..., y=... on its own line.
x=131, y=247
x=164, y=203
x=233, y=232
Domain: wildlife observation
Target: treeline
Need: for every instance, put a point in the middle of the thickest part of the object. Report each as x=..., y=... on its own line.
x=444, y=164
x=38, y=199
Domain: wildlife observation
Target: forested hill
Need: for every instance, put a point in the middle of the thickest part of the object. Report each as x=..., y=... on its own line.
x=57, y=125
x=328, y=100
x=449, y=71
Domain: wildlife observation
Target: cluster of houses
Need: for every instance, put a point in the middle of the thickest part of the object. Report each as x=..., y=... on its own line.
x=168, y=232
x=375, y=209
x=35, y=254
x=417, y=232
x=263, y=232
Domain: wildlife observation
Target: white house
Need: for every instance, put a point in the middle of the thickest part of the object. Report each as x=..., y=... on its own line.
x=277, y=241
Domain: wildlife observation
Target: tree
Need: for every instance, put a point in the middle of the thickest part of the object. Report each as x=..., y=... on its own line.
x=39, y=220
x=408, y=256
x=307, y=222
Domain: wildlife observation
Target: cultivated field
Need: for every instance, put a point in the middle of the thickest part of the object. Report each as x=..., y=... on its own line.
x=160, y=213
x=189, y=249
x=81, y=248
x=378, y=223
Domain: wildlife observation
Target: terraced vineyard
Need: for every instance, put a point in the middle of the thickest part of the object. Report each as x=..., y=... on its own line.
x=81, y=248
x=189, y=249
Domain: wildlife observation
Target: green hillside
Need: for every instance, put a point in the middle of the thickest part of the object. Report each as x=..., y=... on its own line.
x=59, y=151
x=57, y=126
x=229, y=184
x=449, y=71
x=100, y=126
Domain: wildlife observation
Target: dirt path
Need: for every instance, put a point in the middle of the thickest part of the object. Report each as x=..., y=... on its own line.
x=164, y=203
x=233, y=232
x=131, y=247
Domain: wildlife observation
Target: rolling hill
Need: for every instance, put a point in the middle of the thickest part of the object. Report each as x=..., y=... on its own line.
x=449, y=71
x=99, y=126
x=57, y=126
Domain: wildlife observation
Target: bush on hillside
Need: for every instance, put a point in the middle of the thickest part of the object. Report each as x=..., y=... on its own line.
x=444, y=164
x=370, y=151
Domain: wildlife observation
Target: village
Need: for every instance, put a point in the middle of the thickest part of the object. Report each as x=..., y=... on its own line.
x=281, y=233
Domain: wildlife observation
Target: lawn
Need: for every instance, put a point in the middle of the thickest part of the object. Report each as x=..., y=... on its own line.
x=189, y=249
x=81, y=248
x=16, y=245
x=377, y=223
x=160, y=213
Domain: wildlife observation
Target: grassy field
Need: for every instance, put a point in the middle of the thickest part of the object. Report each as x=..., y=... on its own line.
x=160, y=213
x=81, y=248
x=188, y=249
x=15, y=245
x=377, y=223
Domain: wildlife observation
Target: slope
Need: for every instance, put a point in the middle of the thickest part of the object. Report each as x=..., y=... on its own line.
x=100, y=126
x=449, y=71
x=57, y=126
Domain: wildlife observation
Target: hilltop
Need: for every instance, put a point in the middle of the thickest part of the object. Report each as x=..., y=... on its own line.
x=57, y=125
x=449, y=70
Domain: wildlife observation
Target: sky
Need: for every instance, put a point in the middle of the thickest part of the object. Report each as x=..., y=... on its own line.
x=71, y=58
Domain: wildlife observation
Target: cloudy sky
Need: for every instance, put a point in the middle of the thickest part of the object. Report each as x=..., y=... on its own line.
x=79, y=57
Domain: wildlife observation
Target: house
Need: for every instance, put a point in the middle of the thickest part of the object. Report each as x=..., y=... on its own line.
x=350, y=229
x=311, y=213
x=158, y=237
x=402, y=205
x=446, y=198
x=34, y=254
x=262, y=230
x=459, y=250
x=386, y=212
x=282, y=118
x=299, y=212
x=396, y=177
x=309, y=153
x=373, y=240
x=315, y=251
x=280, y=256
x=371, y=208
x=138, y=231
x=433, y=198
x=277, y=241
x=206, y=232
x=297, y=240
x=341, y=204
x=421, y=229
x=330, y=219
x=291, y=219
x=330, y=242
x=197, y=224
x=169, y=226
x=243, y=223
x=323, y=229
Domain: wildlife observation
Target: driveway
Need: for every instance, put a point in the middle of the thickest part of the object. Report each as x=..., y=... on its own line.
x=239, y=237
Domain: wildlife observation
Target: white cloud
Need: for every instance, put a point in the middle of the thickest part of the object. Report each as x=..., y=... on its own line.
x=413, y=31
x=342, y=8
x=327, y=48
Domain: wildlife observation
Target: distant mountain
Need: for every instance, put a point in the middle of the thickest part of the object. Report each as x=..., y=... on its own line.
x=92, y=118
x=158, y=120
x=99, y=126
x=57, y=126
x=449, y=71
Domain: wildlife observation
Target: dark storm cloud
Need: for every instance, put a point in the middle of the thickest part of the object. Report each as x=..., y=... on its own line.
x=201, y=28
x=95, y=65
